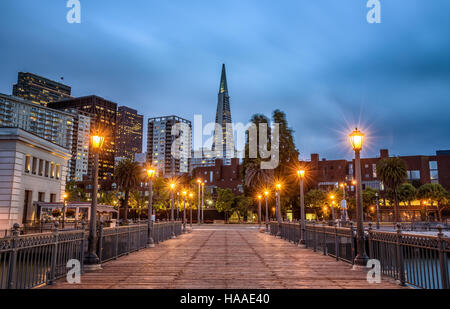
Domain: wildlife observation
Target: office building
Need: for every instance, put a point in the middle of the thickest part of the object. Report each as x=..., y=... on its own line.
x=40, y=90
x=128, y=132
x=223, y=143
x=160, y=142
x=49, y=124
x=103, y=121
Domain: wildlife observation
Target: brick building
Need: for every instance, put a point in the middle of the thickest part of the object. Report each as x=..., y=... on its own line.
x=221, y=176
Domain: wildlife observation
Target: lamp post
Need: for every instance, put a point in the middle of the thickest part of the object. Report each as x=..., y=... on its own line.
x=332, y=207
x=184, y=193
x=356, y=140
x=172, y=187
x=92, y=259
x=178, y=206
x=343, y=203
x=301, y=175
x=203, y=202
x=266, y=194
x=190, y=209
x=278, y=193
x=199, y=182
x=259, y=209
x=378, y=211
x=65, y=196
x=151, y=173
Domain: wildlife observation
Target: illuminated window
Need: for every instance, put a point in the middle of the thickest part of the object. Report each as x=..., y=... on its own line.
x=27, y=163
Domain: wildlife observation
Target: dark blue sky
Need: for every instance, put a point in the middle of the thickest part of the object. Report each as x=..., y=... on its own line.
x=317, y=60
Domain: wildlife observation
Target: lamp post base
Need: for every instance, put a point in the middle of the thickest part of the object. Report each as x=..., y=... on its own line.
x=361, y=261
x=92, y=267
x=92, y=262
x=150, y=245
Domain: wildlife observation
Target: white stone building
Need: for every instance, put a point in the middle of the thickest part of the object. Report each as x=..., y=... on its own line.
x=32, y=169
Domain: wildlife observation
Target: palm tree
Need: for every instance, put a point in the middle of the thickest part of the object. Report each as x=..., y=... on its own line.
x=392, y=172
x=255, y=177
x=128, y=175
x=436, y=193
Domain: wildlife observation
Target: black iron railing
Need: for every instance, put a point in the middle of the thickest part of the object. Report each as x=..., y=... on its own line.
x=28, y=261
x=422, y=261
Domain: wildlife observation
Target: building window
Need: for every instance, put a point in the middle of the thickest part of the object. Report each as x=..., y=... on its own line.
x=374, y=170
x=52, y=198
x=41, y=167
x=434, y=176
x=52, y=170
x=210, y=176
x=41, y=196
x=27, y=163
x=47, y=165
x=34, y=168
x=58, y=171
x=414, y=175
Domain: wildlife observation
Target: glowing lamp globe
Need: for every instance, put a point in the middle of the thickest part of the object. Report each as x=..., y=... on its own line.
x=97, y=141
x=356, y=139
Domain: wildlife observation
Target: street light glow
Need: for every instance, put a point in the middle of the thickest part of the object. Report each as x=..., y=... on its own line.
x=301, y=173
x=356, y=139
x=97, y=141
x=151, y=172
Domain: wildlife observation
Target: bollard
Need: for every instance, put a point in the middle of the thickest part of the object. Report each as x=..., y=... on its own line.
x=83, y=241
x=370, y=241
x=100, y=241
x=54, y=257
x=352, y=242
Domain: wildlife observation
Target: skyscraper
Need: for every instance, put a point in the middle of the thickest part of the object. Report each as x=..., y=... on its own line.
x=223, y=145
x=39, y=90
x=160, y=141
x=104, y=116
x=128, y=132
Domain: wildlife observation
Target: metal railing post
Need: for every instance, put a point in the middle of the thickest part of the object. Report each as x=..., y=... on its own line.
x=100, y=242
x=116, y=241
x=13, y=257
x=400, y=266
x=83, y=241
x=324, y=240
x=54, y=257
x=336, y=243
x=129, y=240
x=314, y=236
x=443, y=260
x=352, y=242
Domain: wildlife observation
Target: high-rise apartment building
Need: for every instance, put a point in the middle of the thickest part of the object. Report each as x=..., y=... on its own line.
x=49, y=124
x=128, y=132
x=103, y=121
x=223, y=144
x=164, y=135
x=40, y=90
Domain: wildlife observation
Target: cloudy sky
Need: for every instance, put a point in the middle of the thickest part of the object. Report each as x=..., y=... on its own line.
x=317, y=60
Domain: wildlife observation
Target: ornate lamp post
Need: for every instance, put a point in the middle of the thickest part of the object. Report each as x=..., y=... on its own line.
x=378, y=211
x=278, y=193
x=301, y=175
x=266, y=195
x=172, y=190
x=356, y=140
x=259, y=209
x=184, y=193
x=92, y=260
x=343, y=203
x=150, y=173
x=65, y=196
x=199, y=182
x=203, y=202
x=178, y=205
x=191, y=195
x=332, y=206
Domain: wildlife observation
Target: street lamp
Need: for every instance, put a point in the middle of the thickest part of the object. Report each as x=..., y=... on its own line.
x=65, y=196
x=266, y=194
x=356, y=141
x=343, y=203
x=203, y=202
x=378, y=211
x=191, y=195
x=259, y=209
x=151, y=172
x=172, y=189
x=278, y=193
x=332, y=206
x=92, y=260
x=301, y=175
x=184, y=193
x=199, y=182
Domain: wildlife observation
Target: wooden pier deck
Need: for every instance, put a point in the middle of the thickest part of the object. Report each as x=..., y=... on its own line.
x=226, y=257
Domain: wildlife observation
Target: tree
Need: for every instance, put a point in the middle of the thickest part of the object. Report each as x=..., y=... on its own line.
x=225, y=202
x=406, y=193
x=128, y=176
x=138, y=201
x=76, y=194
x=243, y=205
x=315, y=199
x=109, y=198
x=435, y=193
x=369, y=198
x=392, y=172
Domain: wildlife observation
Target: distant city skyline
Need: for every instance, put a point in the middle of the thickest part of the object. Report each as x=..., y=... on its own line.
x=321, y=63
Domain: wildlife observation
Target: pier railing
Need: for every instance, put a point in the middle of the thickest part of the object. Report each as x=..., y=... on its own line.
x=28, y=261
x=422, y=261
